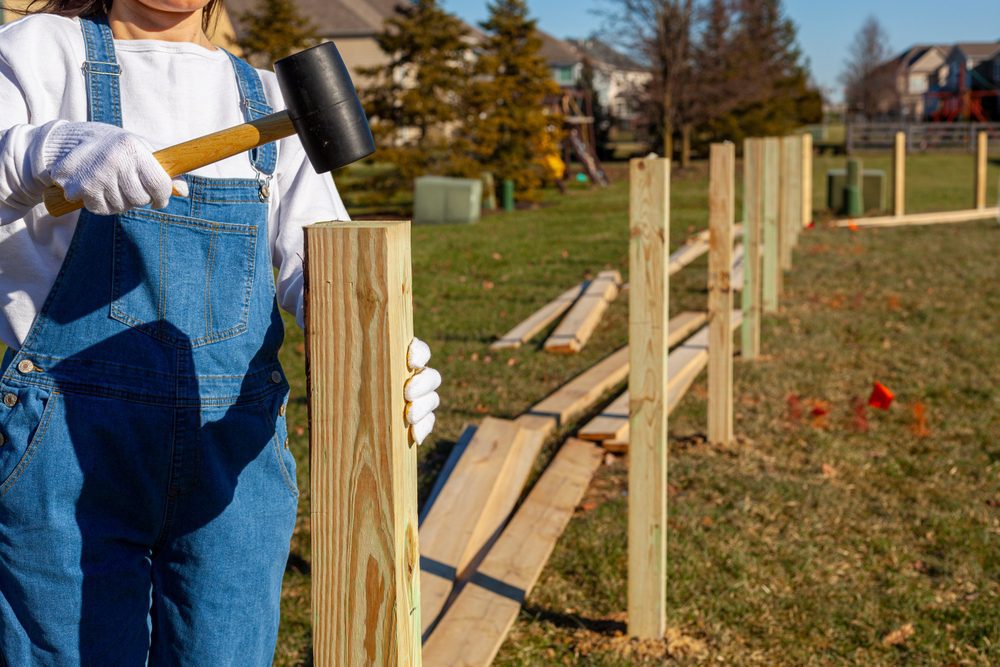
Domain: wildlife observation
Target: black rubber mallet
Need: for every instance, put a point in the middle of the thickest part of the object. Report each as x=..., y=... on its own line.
x=322, y=107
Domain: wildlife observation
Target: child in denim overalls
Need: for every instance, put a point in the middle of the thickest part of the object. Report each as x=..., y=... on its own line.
x=147, y=496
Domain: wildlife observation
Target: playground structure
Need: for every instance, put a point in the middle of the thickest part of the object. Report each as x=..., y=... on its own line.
x=384, y=595
x=899, y=217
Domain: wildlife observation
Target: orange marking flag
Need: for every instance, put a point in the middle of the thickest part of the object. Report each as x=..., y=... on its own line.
x=881, y=396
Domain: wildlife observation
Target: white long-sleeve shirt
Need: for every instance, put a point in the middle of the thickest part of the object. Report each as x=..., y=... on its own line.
x=170, y=92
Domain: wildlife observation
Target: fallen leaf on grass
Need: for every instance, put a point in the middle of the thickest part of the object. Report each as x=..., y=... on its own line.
x=899, y=636
x=794, y=405
x=859, y=421
x=919, y=425
x=820, y=409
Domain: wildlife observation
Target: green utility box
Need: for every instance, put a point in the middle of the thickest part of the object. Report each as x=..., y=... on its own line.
x=874, y=190
x=438, y=199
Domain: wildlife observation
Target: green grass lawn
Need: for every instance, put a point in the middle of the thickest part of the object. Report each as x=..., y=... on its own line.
x=811, y=540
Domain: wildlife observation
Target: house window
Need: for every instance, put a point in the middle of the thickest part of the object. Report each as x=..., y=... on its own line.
x=564, y=76
x=918, y=84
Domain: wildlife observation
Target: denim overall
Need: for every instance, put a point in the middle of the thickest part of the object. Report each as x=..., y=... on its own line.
x=147, y=498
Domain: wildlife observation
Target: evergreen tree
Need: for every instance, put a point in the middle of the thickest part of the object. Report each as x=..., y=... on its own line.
x=274, y=30
x=414, y=103
x=510, y=131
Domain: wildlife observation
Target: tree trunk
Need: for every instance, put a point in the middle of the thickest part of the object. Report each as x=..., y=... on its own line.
x=668, y=125
x=685, y=145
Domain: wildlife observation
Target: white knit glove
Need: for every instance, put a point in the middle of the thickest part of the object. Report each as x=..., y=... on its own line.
x=109, y=169
x=421, y=398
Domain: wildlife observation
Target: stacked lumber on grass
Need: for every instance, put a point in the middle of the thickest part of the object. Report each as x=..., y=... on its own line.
x=474, y=627
x=576, y=328
x=481, y=483
x=610, y=427
x=476, y=500
x=540, y=319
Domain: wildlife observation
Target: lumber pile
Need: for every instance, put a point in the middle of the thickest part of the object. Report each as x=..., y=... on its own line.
x=474, y=627
x=540, y=319
x=576, y=328
x=489, y=467
x=611, y=428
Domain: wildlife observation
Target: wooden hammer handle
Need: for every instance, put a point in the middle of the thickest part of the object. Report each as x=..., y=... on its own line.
x=196, y=153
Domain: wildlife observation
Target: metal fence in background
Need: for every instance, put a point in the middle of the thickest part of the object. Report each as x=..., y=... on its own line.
x=920, y=137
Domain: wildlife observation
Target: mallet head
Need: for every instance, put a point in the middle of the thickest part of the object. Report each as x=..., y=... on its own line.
x=324, y=107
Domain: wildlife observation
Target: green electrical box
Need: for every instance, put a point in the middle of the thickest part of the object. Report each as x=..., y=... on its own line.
x=438, y=199
x=874, y=190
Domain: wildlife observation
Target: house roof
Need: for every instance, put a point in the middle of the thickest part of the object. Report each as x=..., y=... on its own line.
x=558, y=53
x=602, y=52
x=978, y=51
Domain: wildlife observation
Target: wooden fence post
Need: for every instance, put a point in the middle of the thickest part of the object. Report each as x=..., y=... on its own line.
x=807, y=179
x=770, y=192
x=750, y=296
x=899, y=175
x=721, y=213
x=649, y=258
x=982, y=150
x=363, y=464
x=788, y=206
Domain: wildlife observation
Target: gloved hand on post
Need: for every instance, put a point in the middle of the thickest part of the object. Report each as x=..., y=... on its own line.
x=110, y=169
x=419, y=391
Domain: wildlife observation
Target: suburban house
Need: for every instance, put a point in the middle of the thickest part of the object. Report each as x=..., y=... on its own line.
x=912, y=71
x=619, y=80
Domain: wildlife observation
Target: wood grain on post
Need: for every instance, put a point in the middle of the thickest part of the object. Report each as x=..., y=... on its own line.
x=807, y=179
x=770, y=192
x=899, y=175
x=982, y=150
x=363, y=464
x=750, y=296
x=649, y=234
x=721, y=214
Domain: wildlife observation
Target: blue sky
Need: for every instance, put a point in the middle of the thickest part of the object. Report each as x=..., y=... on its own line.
x=825, y=27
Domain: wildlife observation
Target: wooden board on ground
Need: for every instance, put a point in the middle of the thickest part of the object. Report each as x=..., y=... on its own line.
x=581, y=320
x=944, y=218
x=449, y=466
x=683, y=366
x=472, y=630
x=612, y=422
x=540, y=319
x=579, y=394
x=471, y=506
x=696, y=246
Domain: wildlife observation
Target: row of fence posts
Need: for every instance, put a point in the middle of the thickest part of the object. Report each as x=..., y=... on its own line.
x=899, y=173
x=363, y=473
x=777, y=205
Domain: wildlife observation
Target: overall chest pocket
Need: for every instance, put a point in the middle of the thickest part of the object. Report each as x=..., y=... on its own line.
x=184, y=281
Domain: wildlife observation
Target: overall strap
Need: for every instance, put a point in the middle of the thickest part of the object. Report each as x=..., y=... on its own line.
x=254, y=104
x=102, y=71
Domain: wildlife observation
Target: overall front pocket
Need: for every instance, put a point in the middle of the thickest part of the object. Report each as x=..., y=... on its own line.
x=184, y=281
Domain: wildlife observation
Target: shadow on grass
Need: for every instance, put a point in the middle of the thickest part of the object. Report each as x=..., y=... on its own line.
x=603, y=626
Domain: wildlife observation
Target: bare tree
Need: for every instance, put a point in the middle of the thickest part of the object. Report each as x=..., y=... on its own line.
x=658, y=32
x=869, y=77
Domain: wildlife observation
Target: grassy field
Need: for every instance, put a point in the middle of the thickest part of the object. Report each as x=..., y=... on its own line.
x=818, y=536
